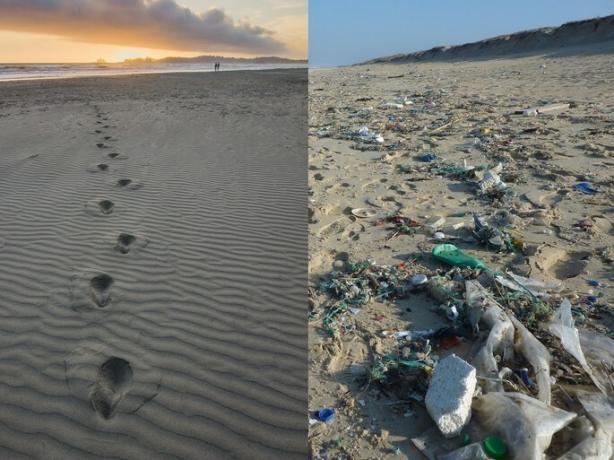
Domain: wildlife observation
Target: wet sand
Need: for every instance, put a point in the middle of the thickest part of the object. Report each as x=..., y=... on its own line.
x=153, y=253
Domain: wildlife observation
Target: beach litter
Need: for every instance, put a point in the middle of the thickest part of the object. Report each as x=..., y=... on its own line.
x=448, y=399
x=451, y=255
x=362, y=213
x=586, y=188
x=366, y=135
x=549, y=108
x=326, y=415
x=428, y=157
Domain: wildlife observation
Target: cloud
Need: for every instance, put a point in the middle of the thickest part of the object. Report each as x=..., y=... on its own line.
x=158, y=24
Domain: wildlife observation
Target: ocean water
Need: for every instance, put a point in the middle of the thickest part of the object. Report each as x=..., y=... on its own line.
x=9, y=72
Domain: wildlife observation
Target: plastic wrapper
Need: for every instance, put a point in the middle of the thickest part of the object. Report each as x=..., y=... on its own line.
x=599, y=353
x=598, y=445
x=535, y=287
x=562, y=325
x=470, y=452
x=500, y=338
x=537, y=355
x=525, y=424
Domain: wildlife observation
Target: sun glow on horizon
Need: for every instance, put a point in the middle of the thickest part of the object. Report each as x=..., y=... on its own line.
x=40, y=42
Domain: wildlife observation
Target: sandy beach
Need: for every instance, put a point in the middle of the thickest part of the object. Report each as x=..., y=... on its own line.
x=154, y=259
x=394, y=156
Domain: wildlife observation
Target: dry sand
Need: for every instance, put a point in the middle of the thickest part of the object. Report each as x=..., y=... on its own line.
x=461, y=111
x=153, y=255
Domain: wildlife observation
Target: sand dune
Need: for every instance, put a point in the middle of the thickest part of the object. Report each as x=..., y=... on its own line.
x=578, y=37
x=153, y=267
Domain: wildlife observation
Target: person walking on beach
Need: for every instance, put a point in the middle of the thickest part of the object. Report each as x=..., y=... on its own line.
x=215, y=66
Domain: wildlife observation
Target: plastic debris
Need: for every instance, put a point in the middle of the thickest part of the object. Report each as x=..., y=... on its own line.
x=432, y=224
x=432, y=444
x=326, y=414
x=599, y=353
x=419, y=279
x=586, y=188
x=428, y=157
x=366, y=135
x=495, y=447
x=525, y=424
x=562, y=325
x=362, y=212
x=469, y=452
x=597, y=442
x=534, y=111
x=448, y=399
x=537, y=355
x=500, y=338
x=451, y=255
x=533, y=286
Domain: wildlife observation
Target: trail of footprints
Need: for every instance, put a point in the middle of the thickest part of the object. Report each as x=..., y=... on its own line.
x=115, y=375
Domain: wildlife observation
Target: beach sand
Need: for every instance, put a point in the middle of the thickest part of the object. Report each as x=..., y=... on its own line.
x=153, y=248
x=460, y=112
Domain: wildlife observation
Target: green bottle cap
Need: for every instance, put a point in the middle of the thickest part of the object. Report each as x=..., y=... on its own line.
x=494, y=447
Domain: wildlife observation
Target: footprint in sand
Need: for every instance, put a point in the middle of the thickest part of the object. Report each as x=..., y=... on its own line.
x=112, y=377
x=98, y=167
x=128, y=184
x=106, y=206
x=100, y=288
x=117, y=156
x=91, y=290
x=101, y=208
x=113, y=382
x=125, y=242
x=100, y=145
x=554, y=262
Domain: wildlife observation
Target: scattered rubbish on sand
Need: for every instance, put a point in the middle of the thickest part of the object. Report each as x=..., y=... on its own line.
x=366, y=135
x=484, y=329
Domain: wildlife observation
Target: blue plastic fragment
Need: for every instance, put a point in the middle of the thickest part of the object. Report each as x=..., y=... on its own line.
x=326, y=415
x=524, y=376
x=593, y=283
x=428, y=157
x=591, y=299
x=478, y=223
x=585, y=187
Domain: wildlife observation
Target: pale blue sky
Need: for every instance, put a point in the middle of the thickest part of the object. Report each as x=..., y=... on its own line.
x=349, y=31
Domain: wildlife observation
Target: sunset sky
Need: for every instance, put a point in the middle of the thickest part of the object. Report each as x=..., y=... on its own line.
x=114, y=30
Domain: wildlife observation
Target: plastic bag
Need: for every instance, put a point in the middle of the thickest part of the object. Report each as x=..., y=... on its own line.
x=597, y=446
x=562, y=325
x=535, y=287
x=451, y=255
x=525, y=424
x=500, y=338
x=537, y=355
x=599, y=352
x=470, y=452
